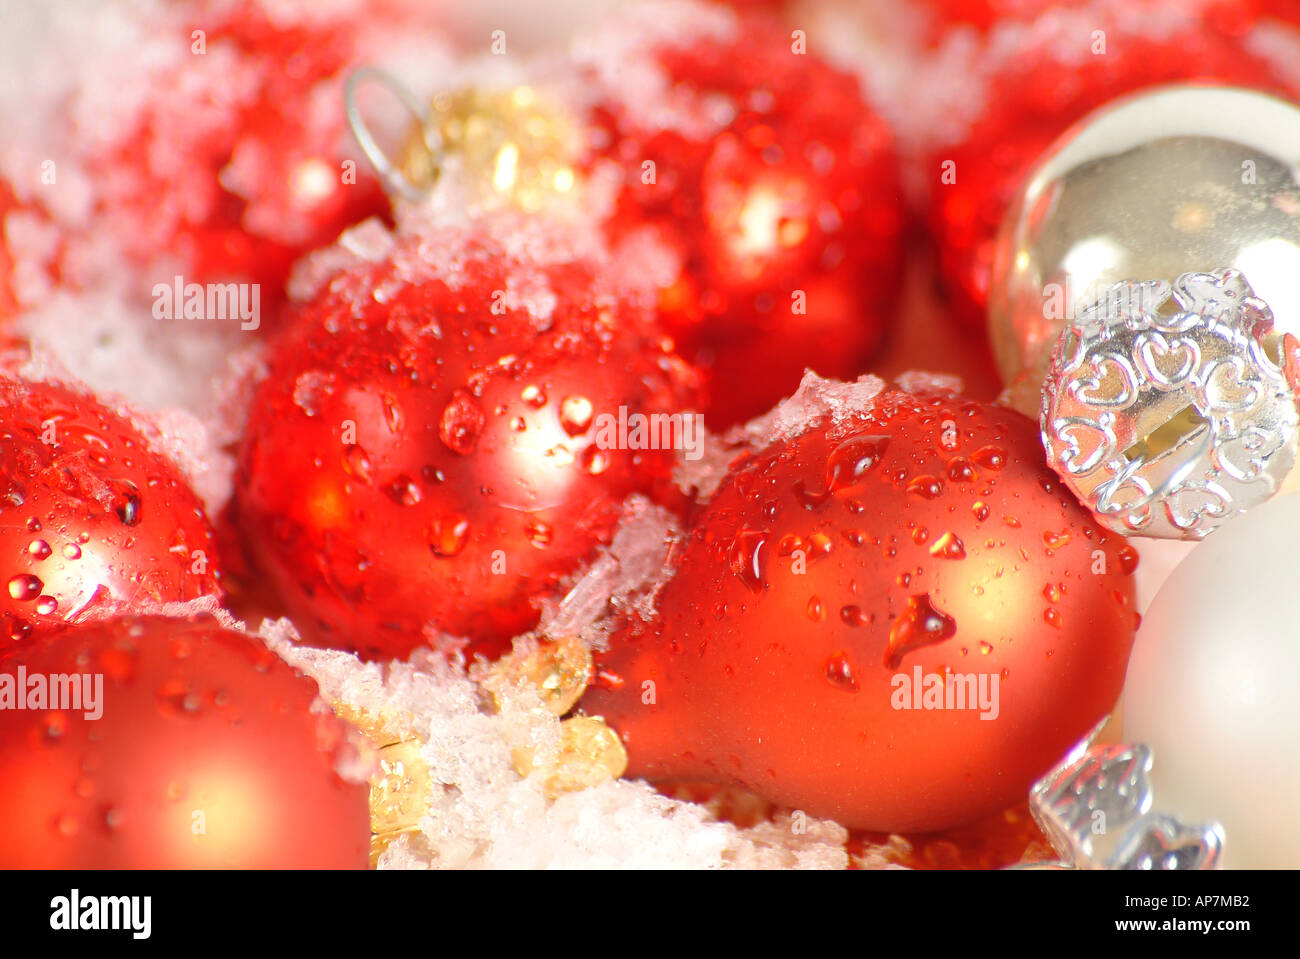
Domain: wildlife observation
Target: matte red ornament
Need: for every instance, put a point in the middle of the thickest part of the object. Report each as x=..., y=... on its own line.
x=440, y=440
x=201, y=748
x=93, y=520
x=776, y=185
x=1055, y=78
x=835, y=578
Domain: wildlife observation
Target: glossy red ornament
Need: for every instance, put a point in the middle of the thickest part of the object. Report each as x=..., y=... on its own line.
x=93, y=520
x=201, y=749
x=922, y=535
x=776, y=185
x=426, y=454
x=1053, y=79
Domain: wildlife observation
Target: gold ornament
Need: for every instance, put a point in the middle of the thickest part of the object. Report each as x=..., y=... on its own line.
x=513, y=147
x=590, y=753
x=399, y=795
x=1183, y=179
x=558, y=671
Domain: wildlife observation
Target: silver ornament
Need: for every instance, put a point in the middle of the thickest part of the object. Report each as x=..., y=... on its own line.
x=1189, y=178
x=1096, y=809
x=1169, y=409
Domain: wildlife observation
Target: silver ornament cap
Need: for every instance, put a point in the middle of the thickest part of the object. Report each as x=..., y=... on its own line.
x=1170, y=408
x=1097, y=808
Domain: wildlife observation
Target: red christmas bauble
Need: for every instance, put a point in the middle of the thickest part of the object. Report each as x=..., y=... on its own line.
x=93, y=521
x=774, y=181
x=835, y=578
x=237, y=167
x=431, y=451
x=200, y=749
x=1061, y=67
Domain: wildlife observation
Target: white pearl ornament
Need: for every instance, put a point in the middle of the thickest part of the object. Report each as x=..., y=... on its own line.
x=1213, y=687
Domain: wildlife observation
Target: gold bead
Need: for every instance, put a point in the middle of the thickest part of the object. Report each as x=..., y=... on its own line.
x=514, y=146
x=559, y=671
x=590, y=753
x=399, y=791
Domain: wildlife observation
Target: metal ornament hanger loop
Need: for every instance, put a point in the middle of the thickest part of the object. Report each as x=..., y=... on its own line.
x=395, y=181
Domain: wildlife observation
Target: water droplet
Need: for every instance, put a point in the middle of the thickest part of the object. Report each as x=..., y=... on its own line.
x=404, y=490
x=392, y=414
x=746, y=558
x=980, y=510
x=960, y=470
x=853, y=616
x=839, y=671
x=533, y=396
x=449, y=535
x=948, y=546
x=127, y=504
x=985, y=647
x=816, y=611
x=33, y=524
x=594, y=460
x=539, y=533
x=176, y=699
x=39, y=548
x=47, y=605
x=71, y=551
x=809, y=499
x=55, y=727
x=929, y=487
x=1128, y=559
x=1052, y=617
x=114, y=817
x=852, y=460
x=1052, y=592
x=819, y=545
x=25, y=587
x=575, y=414
x=920, y=535
x=356, y=462
x=990, y=457
x=1055, y=541
x=462, y=422
x=920, y=624
x=19, y=630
